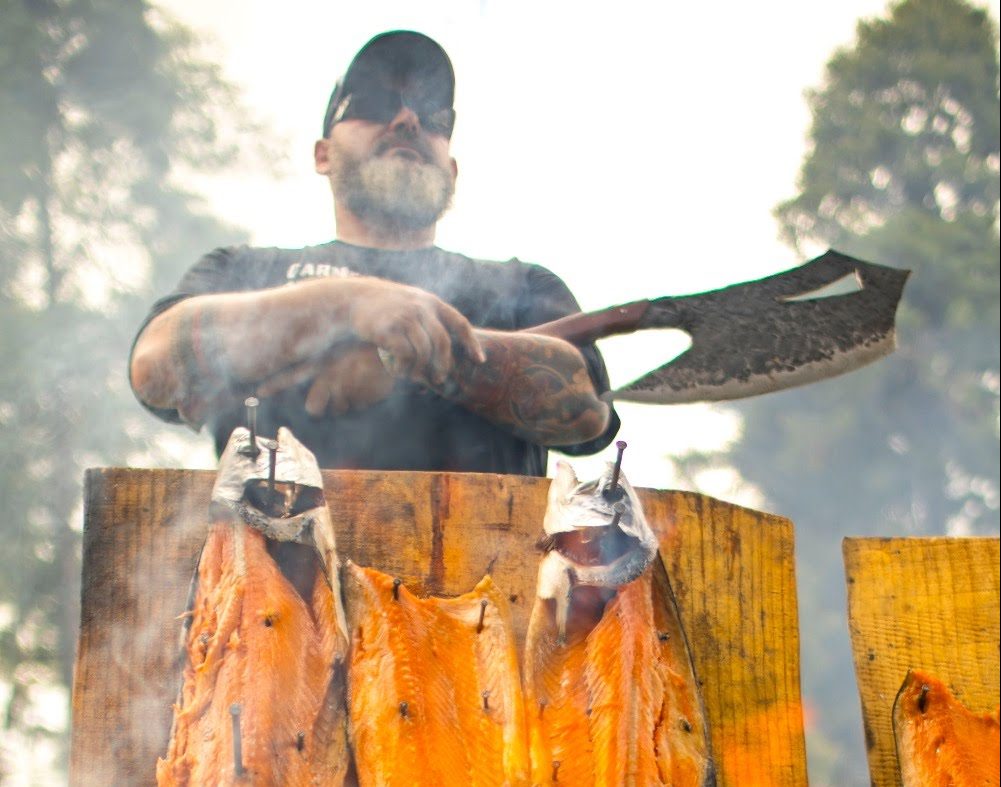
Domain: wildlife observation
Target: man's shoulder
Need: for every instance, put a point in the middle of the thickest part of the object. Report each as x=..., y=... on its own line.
x=511, y=268
x=248, y=255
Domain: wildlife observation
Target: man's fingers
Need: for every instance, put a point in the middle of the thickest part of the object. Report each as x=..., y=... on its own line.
x=318, y=395
x=414, y=350
x=463, y=333
x=441, y=359
x=287, y=378
x=417, y=328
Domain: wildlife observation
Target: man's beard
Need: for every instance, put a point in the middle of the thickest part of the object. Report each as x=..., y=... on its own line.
x=392, y=192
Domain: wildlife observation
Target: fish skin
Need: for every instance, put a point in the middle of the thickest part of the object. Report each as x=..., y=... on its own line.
x=939, y=740
x=429, y=654
x=609, y=705
x=254, y=641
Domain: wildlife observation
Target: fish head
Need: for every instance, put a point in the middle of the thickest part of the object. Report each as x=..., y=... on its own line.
x=598, y=528
x=279, y=480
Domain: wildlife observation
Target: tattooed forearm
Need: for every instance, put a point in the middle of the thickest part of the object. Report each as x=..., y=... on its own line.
x=196, y=351
x=536, y=386
x=193, y=346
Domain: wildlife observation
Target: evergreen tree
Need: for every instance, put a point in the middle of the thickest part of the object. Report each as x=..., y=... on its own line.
x=903, y=170
x=101, y=102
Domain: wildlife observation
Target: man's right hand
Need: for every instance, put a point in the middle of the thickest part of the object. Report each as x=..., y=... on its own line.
x=417, y=329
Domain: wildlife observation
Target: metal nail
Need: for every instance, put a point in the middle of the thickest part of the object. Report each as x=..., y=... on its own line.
x=396, y=588
x=300, y=741
x=486, y=699
x=234, y=711
x=613, y=487
x=272, y=465
x=251, y=449
x=663, y=636
x=483, y=612
x=556, y=768
x=923, y=697
x=405, y=709
x=619, y=510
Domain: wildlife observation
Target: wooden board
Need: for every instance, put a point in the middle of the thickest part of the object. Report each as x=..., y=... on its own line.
x=930, y=603
x=731, y=568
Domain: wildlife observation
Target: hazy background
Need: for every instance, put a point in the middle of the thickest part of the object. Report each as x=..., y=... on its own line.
x=636, y=150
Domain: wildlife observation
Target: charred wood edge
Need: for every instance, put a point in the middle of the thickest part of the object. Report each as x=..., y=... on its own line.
x=660, y=577
x=188, y=617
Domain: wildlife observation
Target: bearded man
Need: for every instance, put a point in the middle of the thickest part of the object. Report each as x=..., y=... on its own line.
x=379, y=350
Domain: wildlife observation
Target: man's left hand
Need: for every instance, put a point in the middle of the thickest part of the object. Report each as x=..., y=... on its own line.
x=352, y=379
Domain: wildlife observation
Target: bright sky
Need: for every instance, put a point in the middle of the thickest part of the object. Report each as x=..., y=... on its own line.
x=636, y=151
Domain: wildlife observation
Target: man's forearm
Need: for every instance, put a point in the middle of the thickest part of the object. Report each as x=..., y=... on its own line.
x=206, y=345
x=536, y=386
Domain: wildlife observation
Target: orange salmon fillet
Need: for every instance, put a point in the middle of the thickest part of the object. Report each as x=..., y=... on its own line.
x=255, y=643
x=434, y=692
x=940, y=741
x=617, y=704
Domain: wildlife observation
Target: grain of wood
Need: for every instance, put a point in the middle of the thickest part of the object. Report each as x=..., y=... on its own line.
x=731, y=570
x=924, y=603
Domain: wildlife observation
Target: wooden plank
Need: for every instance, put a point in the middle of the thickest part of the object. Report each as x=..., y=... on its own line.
x=930, y=603
x=732, y=572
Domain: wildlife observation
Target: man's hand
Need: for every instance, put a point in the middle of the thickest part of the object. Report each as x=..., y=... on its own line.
x=415, y=328
x=348, y=379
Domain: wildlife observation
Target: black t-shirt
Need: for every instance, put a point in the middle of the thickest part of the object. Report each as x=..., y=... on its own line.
x=413, y=428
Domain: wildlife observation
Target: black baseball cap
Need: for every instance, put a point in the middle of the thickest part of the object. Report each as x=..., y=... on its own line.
x=402, y=58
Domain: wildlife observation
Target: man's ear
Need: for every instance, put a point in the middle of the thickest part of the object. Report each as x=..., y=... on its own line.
x=321, y=156
x=455, y=168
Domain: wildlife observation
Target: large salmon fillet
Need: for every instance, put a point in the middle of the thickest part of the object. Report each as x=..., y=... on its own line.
x=939, y=740
x=434, y=689
x=260, y=659
x=617, y=704
x=262, y=699
x=610, y=691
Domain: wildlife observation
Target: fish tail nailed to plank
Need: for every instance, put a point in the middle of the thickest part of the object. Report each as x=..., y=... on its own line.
x=435, y=696
x=263, y=643
x=939, y=740
x=610, y=693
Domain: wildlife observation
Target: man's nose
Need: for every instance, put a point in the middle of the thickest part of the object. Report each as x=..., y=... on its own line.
x=406, y=120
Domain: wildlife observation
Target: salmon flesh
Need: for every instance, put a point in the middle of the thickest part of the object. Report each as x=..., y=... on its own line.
x=939, y=740
x=262, y=700
x=434, y=697
x=610, y=690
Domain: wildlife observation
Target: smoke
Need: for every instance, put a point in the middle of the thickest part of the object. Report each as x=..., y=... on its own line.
x=136, y=584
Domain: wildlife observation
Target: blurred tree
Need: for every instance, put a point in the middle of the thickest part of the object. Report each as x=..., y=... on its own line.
x=101, y=103
x=903, y=170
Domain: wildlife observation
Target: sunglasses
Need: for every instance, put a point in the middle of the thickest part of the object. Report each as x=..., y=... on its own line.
x=381, y=105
